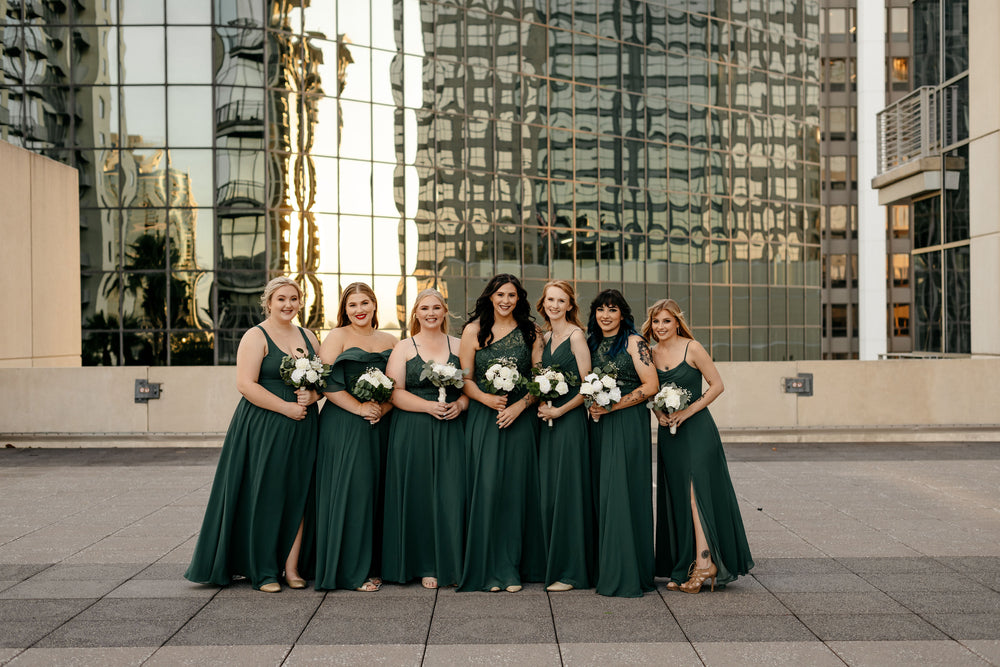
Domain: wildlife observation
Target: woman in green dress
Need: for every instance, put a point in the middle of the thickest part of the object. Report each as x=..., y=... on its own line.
x=621, y=436
x=352, y=440
x=563, y=451
x=425, y=472
x=699, y=531
x=504, y=545
x=253, y=523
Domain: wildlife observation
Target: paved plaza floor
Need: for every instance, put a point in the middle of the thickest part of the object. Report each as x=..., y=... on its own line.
x=867, y=554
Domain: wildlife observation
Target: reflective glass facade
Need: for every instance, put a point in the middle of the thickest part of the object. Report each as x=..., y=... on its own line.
x=662, y=148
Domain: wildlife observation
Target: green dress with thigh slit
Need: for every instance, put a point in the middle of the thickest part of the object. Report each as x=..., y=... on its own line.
x=261, y=486
x=625, y=502
x=349, y=468
x=425, y=488
x=694, y=456
x=504, y=543
x=564, y=469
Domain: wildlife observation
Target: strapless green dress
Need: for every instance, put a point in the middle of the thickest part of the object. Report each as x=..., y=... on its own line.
x=504, y=544
x=625, y=501
x=425, y=488
x=261, y=486
x=695, y=456
x=349, y=468
x=564, y=469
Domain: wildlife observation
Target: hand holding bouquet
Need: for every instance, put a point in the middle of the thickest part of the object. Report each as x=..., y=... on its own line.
x=442, y=376
x=373, y=385
x=548, y=383
x=302, y=372
x=670, y=398
x=601, y=387
x=502, y=376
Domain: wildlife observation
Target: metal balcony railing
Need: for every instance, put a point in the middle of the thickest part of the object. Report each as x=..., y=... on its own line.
x=239, y=192
x=908, y=129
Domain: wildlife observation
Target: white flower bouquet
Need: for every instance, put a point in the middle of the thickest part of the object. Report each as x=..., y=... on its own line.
x=302, y=372
x=442, y=376
x=548, y=383
x=670, y=398
x=502, y=376
x=373, y=385
x=601, y=387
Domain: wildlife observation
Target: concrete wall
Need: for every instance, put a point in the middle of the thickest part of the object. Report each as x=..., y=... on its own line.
x=39, y=261
x=909, y=400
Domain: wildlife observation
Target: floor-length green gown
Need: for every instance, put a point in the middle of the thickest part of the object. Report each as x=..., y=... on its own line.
x=504, y=543
x=564, y=470
x=261, y=484
x=625, y=505
x=349, y=468
x=425, y=488
x=695, y=456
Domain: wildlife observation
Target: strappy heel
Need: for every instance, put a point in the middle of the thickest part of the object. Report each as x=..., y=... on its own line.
x=699, y=576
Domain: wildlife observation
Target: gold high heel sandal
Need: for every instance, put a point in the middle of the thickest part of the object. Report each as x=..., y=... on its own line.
x=673, y=585
x=698, y=577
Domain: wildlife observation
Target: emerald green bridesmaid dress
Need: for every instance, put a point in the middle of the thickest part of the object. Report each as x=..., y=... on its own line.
x=261, y=484
x=425, y=488
x=625, y=497
x=695, y=456
x=504, y=544
x=349, y=468
x=564, y=469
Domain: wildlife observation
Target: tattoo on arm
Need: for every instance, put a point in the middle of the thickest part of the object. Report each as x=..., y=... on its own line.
x=644, y=354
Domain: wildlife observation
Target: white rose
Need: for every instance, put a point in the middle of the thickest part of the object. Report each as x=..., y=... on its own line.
x=587, y=389
x=491, y=372
x=591, y=377
x=316, y=364
x=672, y=401
x=562, y=388
x=302, y=364
x=505, y=372
x=544, y=385
x=608, y=381
x=616, y=394
x=559, y=377
x=508, y=385
x=312, y=376
x=448, y=371
x=598, y=387
x=602, y=399
x=297, y=375
x=386, y=382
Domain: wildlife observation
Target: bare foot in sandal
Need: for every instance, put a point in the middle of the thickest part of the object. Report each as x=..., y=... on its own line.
x=429, y=582
x=368, y=587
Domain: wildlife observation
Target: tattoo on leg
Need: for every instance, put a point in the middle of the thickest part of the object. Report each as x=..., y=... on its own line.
x=705, y=554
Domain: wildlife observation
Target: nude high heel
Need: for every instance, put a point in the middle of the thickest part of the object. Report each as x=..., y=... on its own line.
x=698, y=577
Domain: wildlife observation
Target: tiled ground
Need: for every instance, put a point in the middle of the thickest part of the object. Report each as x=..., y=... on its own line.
x=866, y=555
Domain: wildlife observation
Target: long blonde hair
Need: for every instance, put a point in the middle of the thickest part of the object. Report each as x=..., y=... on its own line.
x=273, y=286
x=672, y=307
x=415, y=323
x=572, y=314
x=356, y=288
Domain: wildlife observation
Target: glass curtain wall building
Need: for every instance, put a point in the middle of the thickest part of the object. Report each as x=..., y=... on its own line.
x=661, y=148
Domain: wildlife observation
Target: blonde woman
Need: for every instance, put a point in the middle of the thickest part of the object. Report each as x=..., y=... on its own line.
x=700, y=538
x=425, y=472
x=352, y=440
x=253, y=523
x=563, y=450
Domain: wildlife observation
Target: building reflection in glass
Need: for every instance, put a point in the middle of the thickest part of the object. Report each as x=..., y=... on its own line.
x=662, y=149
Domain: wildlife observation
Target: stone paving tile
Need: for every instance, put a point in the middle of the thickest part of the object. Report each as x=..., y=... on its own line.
x=218, y=656
x=370, y=619
x=988, y=650
x=356, y=654
x=527, y=654
x=161, y=571
x=870, y=627
x=591, y=618
x=815, y=583
x=108, y=609
x=34, y=590
x=967, y=626
x=492, y=618
x=633, y=653
x=925, y=653
x=785, y=566
x=795, y=654
x=249, y=631
x=119, y=632
x=20, y=571
x=161, y=588
x=918, y=565
x=63, y=572
x=22, y=634
x=924, y=583
x=841, y=603
x=35, y=610
x=726, y=602
x=83, y=657
x=744, y=628
x=955, y=602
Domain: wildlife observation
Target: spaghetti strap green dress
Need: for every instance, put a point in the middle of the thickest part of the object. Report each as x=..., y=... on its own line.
x=425, y=488
x=564, y=470
x=504, y=543
x=349, y=468
x=625, y=503
x=261, y=485
x=695, y=456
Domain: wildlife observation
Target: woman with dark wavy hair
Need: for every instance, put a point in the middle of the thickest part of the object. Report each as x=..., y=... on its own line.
x=621, y=442
x=504, y=545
